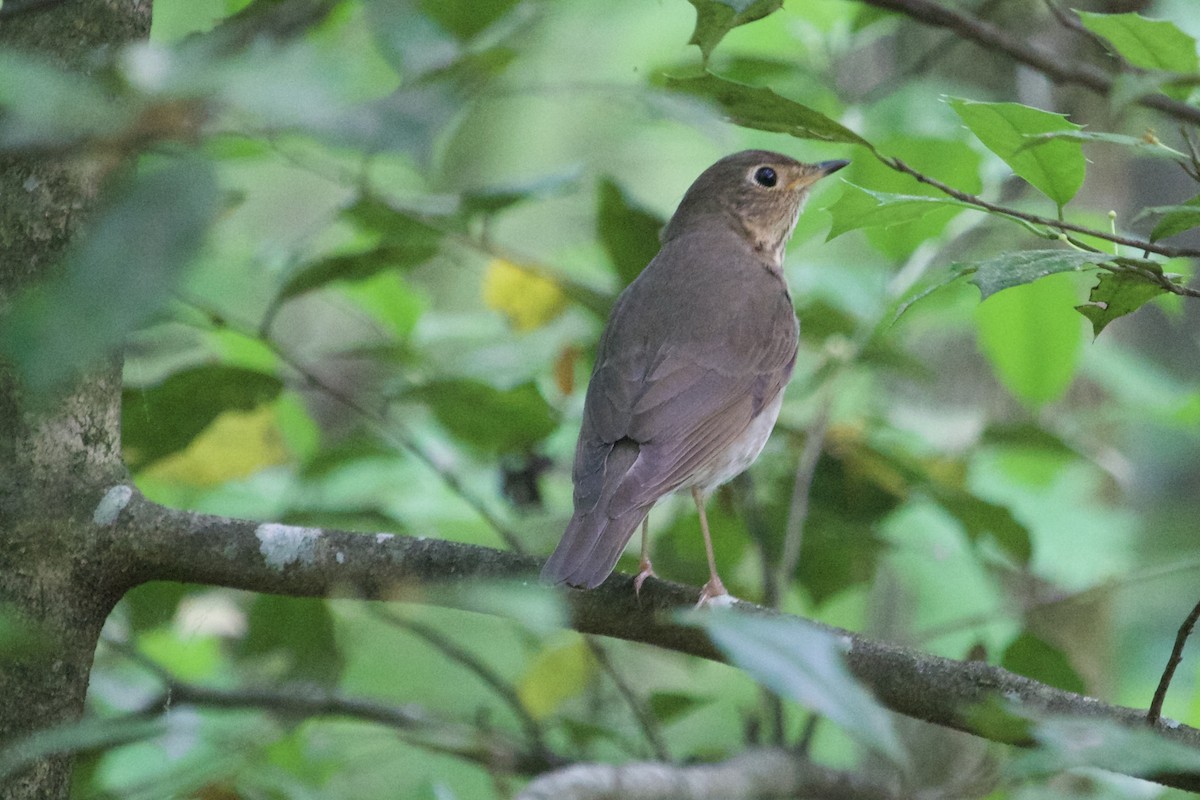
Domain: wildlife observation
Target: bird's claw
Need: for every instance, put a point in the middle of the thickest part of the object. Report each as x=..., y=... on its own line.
x=646, y=571
x=714, y=595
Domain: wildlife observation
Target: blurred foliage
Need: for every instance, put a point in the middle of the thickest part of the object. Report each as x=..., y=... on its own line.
x=359, y=267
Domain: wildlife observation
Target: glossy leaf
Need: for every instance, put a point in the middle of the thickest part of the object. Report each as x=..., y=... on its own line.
x=1067, y=743
x=1035, y=658
x=1055, y=167
x=808, y=665
x=124, y=268
x=41, y=105
x=556, y=675
x=1115, y=295
x=405, y=242
x=864, y=208
x=1153, y=44
x=763, y=109
x=1147, y=144
x=295, y=638
x=189, y=400
x=1033, y=338
x=715, y=18
x=983, y=519
x=466, y=19
x=629, y=233
x=492, y=420
x=1176, y=219
x=1021, y=267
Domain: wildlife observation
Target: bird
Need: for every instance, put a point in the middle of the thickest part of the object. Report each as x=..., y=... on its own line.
x=690, y=369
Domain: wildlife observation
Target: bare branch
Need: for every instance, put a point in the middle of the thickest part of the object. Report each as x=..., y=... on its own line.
x=1062, y=225
x=455, y=652
x=414, y=724
x=1050, y=64
x=1160, y=693
x=752, y=775
x=167, y=544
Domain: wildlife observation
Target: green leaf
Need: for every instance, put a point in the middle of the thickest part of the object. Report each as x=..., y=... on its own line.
x=556, y=675
x=715, y=18
x=492, y=420
x=466, y=19
x=1055, y=167
x=93, y=733
x=1115, y=295
x=762, y=109
x=42, y=105
x=669, y=706
x=1147, y=144
x=159, y=420
x=1026, y=266
x=295, y=637
x=806, y=664
x=981, y=518
x=1071, y=742
x=1176, y=219
x=1034, y=658
x=629, y=233
x=1033, y=338
x=1147, y=43
x=405, y=241
x=863, y=208
x=121, y=272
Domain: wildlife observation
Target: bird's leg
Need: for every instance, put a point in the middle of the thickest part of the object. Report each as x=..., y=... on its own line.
x=646, y=569
x=714, y=589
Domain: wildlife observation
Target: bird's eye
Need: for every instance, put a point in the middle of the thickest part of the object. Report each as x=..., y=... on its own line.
x=765, y=176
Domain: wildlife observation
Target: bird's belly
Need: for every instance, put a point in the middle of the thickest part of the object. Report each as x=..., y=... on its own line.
x=740, y=454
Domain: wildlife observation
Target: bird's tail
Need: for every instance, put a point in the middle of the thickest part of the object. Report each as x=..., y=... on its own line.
x=590, y=547
x=598, y=531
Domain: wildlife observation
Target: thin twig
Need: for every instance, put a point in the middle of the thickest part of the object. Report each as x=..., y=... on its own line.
x=645, y=719
x=455, y=652
x=390, y=430
x=1047, y=62
x=1072, y=23
x=1049, y=222
x=793, y=537
x=1160, y=694
x=415, y=724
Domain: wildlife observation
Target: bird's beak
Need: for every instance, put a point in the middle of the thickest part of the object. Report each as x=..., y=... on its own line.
x=819, y=171
x=829, y=167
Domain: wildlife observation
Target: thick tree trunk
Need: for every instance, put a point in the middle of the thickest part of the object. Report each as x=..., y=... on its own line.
x=57, y=460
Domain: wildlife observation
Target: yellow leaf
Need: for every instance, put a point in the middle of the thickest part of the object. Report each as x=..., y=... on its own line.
x=526, y=299
x=555, y=676
x=234, y=445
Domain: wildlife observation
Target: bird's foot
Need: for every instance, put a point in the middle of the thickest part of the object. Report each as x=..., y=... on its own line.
x=646, y=571
x=714, y=594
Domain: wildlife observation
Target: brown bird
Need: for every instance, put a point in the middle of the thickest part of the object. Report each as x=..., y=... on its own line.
x=691, y=367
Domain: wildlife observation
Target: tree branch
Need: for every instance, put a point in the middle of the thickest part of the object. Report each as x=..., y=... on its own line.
x=1062, y=225
x=414, y=724
x=752, y=775
x=160, y=543
x=1050, y=64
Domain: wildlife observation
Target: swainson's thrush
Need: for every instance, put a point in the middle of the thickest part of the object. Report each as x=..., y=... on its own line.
x=692, y=364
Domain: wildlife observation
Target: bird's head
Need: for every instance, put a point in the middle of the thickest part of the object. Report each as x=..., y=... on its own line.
x=758, y=192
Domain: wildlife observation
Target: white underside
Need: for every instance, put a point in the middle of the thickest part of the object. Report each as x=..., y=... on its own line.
x=741, y=454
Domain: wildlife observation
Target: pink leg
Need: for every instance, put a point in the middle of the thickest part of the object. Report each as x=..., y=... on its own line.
x=714, y=588
x=646, y=568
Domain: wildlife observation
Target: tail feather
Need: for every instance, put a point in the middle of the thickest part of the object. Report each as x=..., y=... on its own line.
x=590, y=548
x=598, y=532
